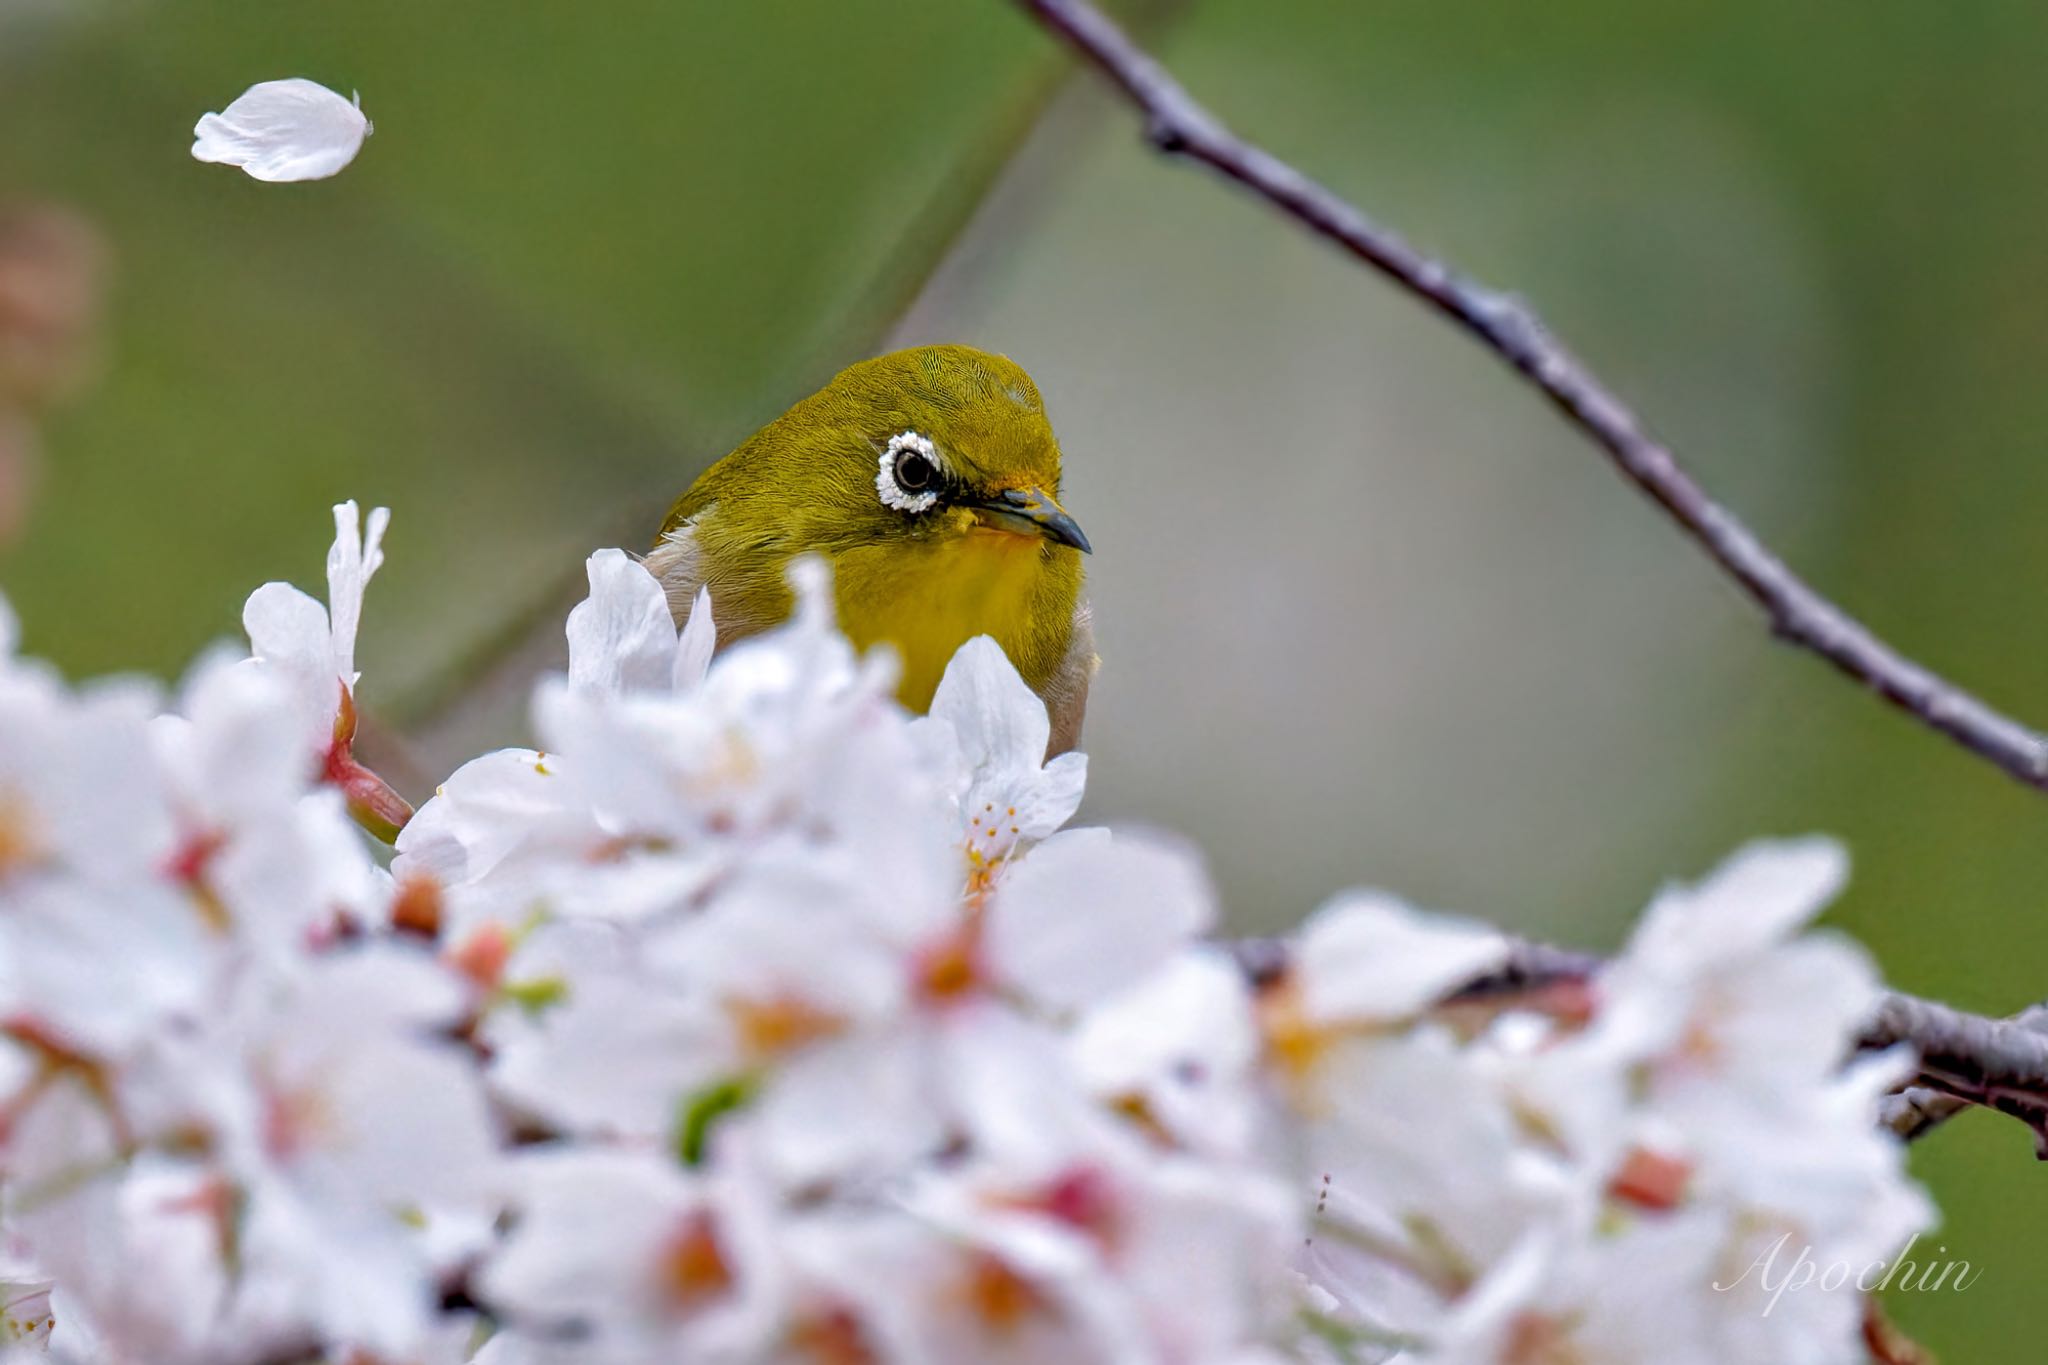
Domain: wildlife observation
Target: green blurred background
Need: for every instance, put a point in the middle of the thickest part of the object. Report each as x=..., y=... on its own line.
x=1367, y=613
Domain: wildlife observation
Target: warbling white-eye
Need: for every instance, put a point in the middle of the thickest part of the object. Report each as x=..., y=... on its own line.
x=929, y=479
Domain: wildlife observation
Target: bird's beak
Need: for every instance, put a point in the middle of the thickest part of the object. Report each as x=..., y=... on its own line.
x=1031, y=512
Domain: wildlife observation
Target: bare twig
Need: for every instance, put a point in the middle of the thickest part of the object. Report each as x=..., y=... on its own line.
x=1916, y=1111
x=1530, y=967
x=1999, y=1063
x=1176, y=124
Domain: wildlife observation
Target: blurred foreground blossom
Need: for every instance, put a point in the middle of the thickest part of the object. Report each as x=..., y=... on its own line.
x=752, y=1019
x=1607, y=1178
x=284, y=130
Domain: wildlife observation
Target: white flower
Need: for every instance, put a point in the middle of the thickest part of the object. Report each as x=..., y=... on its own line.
x=96, y=948
x=312, y=648
x=787, y=731
x=624, y=1247
x=1364, y=965
x=77, y=792
x=1527, y=1194
x=610, y=1052
x=260, y=852
x=824, y=1041
x=1752, y=902
x=1710, y=1008
x=1424, y=1177
x=336, y=1121
x=284, y=130
x=498, y=835
x=138, y=1257
x=1176, y=1050
x=99, y=969
x=972, y=1046
x=1006, y=792
x=1091, y=1250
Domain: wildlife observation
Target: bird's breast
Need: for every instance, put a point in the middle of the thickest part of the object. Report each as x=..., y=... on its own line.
x=926, y=600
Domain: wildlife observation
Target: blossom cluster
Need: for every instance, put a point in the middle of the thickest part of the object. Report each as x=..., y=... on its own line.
x=751, y=1018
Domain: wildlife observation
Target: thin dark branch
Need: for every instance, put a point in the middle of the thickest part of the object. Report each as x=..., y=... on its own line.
x=1915, y=1112
x=2001, y=1064
x=1178, y=125
x=1530, y=968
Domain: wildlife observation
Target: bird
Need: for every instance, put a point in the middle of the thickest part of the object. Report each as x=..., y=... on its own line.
x=929, y=480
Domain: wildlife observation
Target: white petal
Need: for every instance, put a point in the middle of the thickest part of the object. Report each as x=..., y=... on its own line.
x=1084, y=915
x=502, y=803
x=286, y=626
x=1758, y=897
x=1366, y=955
x=1196, y=1006
x=699, y=639
x=284, y=130
x=849, y=1105
x=621, y=637
x=1182, y=1040
x=1001, y=722
x=289, y=639
x=810, y=578
x=614, y=1057
x=593, y=1224
x=1009, y=793
x=351, y=561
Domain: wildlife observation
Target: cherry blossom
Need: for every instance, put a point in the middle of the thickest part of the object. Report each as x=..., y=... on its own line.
x=748, y=1017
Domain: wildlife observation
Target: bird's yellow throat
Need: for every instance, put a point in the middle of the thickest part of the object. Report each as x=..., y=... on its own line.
x=927, y=600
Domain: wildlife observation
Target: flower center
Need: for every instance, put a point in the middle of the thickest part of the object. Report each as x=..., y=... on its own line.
x=1537, y=1339
x=830, y=1336
x=950, y=969
x=780, y=1025
x=1295, y=1041
x=693, y=1265
x=21, y=845
x=483, y=954
x=999, y=1296
x=1651, y=1180
x=1082, y=1197
x=293, y=1121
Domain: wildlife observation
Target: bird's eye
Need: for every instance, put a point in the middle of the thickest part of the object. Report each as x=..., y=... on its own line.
x=911, y=473
x=913, y=470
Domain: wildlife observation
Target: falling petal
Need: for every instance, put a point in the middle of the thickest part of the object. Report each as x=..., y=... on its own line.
x=284, y=130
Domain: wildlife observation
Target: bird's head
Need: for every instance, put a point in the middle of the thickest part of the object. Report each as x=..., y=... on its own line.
x=930, y=479
x=918, y=446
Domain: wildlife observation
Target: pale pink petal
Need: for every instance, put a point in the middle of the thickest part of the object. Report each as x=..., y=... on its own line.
x=284, y=130
x=1085, y=914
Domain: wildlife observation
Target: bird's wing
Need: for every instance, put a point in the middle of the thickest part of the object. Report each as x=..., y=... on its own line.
x=1066, y=695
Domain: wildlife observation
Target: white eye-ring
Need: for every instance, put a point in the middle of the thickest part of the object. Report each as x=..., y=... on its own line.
x=910, y=473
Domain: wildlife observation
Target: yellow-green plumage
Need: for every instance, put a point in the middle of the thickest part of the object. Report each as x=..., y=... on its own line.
x=923, y=582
